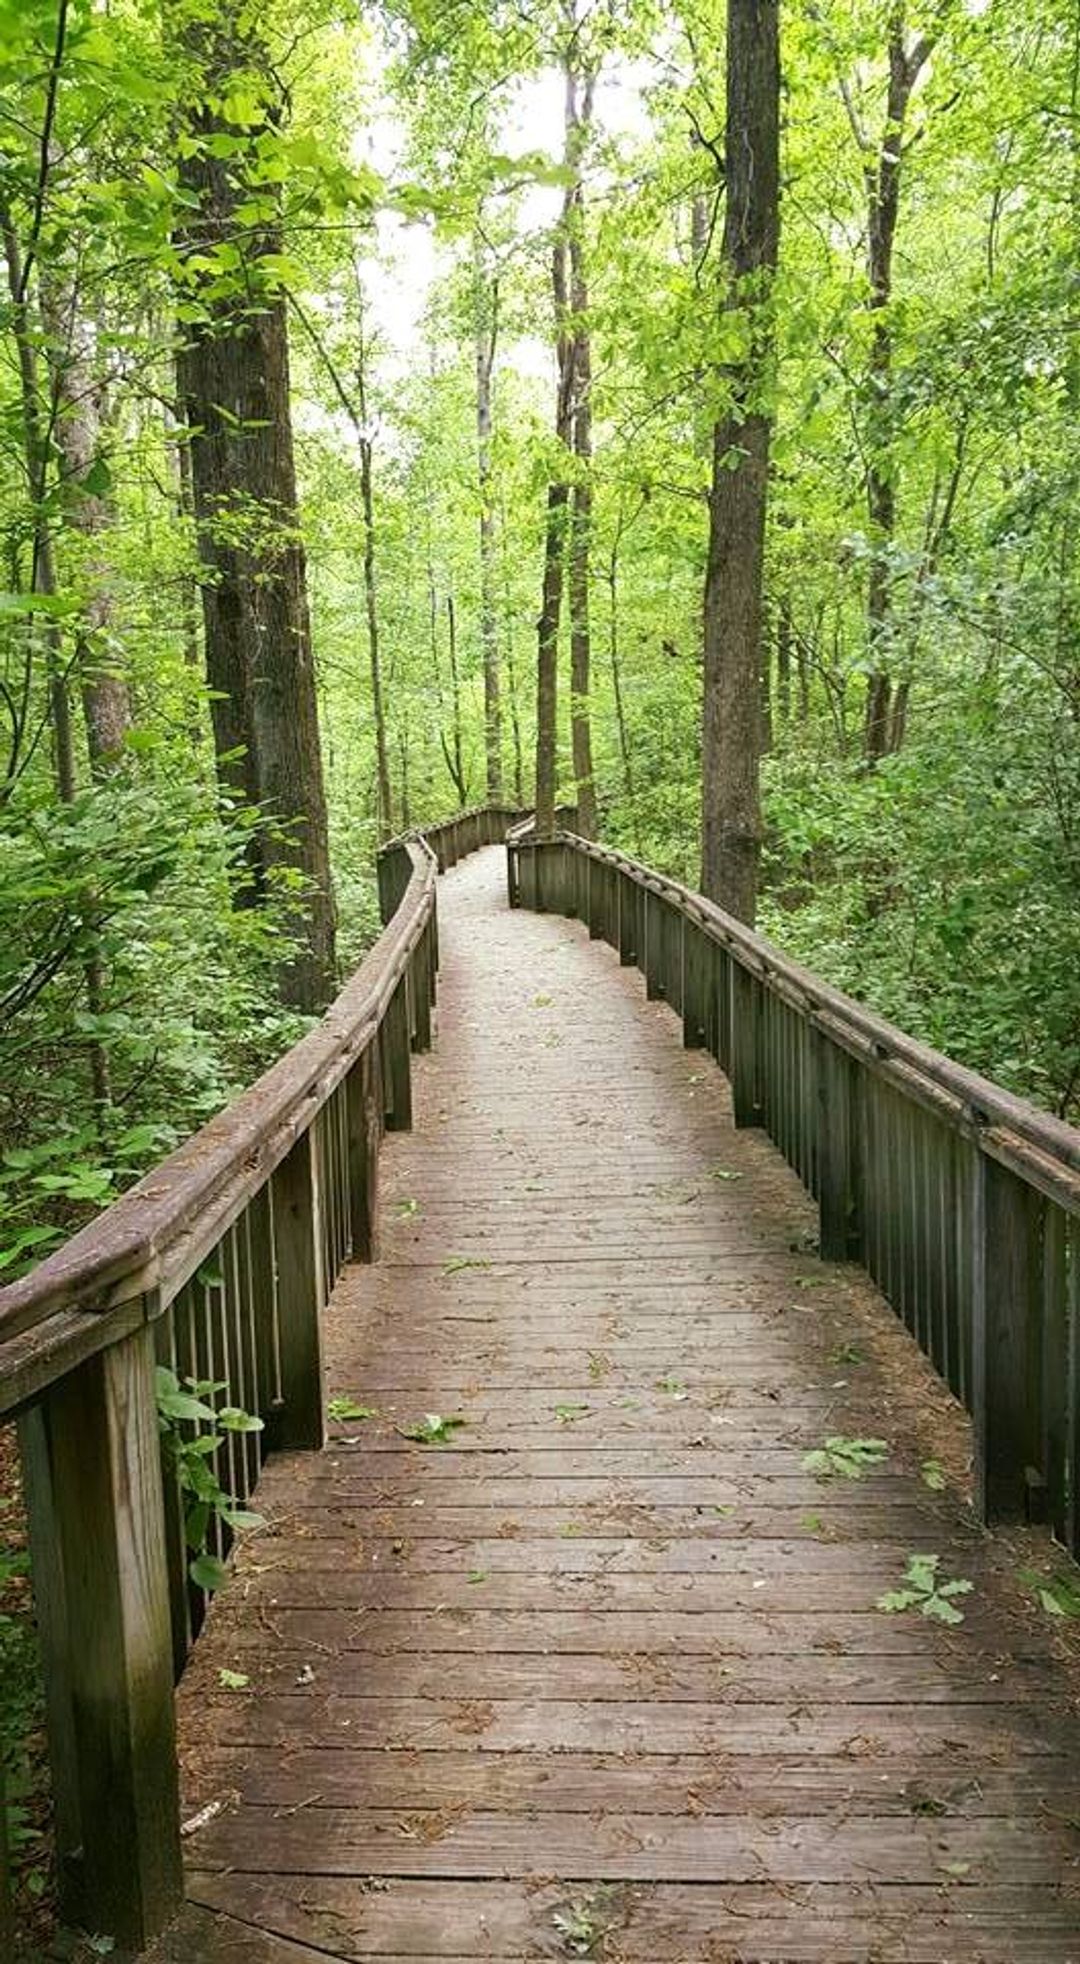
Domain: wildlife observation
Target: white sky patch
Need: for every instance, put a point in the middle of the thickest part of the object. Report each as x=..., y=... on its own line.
x=410, y=260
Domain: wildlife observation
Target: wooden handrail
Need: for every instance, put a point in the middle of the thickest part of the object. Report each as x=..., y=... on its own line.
x=960, y=1198
x=216, y=1265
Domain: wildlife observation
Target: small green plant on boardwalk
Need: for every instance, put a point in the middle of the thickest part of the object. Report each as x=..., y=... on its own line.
x=845, y=1459
x=432, y=1430
x=923, y=1589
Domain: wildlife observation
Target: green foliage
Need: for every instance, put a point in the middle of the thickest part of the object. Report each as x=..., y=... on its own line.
x=845, y=1459
x=922, y=1589
x=193, y=1431
x=345, y=1407
x=433, y=1429
x=1057, y=1593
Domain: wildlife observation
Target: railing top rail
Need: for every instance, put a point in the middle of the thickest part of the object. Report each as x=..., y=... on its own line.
x=982, y=1103
x=514, y=814
x=127, y=1250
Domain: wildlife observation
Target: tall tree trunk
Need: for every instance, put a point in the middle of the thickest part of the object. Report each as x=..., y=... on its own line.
x=78, y=397
x=26, y=334
x=615, y=659
x=581, y=516
x=578, y=114
x=486, y=316
x=38, y=414
x=454, y=752
x=511, y=667
x=783, y=661
x=883, y=211
x=234, y=379
x=731, y=715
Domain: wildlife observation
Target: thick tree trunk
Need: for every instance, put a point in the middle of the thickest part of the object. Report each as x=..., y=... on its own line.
x=234, y=380
x=731, y=718
x=487, y=328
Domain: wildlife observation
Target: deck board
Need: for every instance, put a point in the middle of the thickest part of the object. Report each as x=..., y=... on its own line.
x=613, y=1651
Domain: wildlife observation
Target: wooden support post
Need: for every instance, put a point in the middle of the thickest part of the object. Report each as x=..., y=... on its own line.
x=363, y=1100
x=394, y=1048
x=839, y=1230
x=420, y=994
x=653, y=944
x=513, y=890
x=1006, y=1346
x=628, y=920
x=99, y=1510
x=594, y=888
x=697, y=985
x=673, y=957
x=746, y=1088
x=301, y=1294
x=7, y=1908
x=1057, y=1368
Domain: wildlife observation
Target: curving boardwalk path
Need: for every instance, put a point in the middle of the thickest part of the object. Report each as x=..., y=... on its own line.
x=602, y=1675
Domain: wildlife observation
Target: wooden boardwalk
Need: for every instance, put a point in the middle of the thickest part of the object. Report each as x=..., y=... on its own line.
x=603, y=1675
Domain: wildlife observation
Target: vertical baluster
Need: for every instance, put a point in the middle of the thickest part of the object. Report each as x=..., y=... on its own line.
x=394, y=1051
x=1007, y=1365
x=838, y=1131
x=697, y=976
x=1071, y=1375
x=746, y=995
x=166, y=1353
x=1056, y=1375
x=301, y=1293
x=364, y=1103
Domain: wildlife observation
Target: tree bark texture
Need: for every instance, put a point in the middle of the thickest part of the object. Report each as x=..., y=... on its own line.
x=233, y=370
x=731, y=714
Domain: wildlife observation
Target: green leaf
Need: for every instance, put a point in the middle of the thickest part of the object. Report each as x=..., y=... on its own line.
x=344, y=1407
x=433, y=1429
x=233, y=1680
x=208, y=1573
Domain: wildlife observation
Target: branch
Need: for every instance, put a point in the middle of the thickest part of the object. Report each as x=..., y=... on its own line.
x=45, y=149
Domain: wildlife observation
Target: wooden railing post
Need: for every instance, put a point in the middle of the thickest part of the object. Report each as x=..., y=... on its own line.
x=746, y=1088
x=96, y=1512
x=420, y=993
x=628, y=919
x=839, y=1229
x=396, y=1069
x=363, y=1095
x=595, y=889
x=301, y=1293
x=653, y=944
x=698, y=985
x=1006, y=1347
x=7, y=1907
